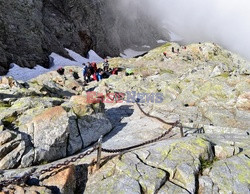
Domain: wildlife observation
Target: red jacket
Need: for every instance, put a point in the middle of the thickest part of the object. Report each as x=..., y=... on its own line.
x=94, y=66
x=95, y=77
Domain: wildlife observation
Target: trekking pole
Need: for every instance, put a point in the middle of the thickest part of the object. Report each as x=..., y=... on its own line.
x=99, y=153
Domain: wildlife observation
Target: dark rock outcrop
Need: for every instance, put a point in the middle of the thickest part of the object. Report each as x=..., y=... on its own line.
x=30, y=30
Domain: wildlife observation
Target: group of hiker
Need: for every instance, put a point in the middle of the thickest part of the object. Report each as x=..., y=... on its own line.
x=92, y=73
x=175, y=51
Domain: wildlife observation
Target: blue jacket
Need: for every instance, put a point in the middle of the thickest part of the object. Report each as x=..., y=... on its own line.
x=99, y=76
x=84, y=70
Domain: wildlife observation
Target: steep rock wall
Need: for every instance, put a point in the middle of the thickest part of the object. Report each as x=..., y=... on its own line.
x=31, y=29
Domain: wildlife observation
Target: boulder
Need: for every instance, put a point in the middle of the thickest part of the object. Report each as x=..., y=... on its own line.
x=6, y=136
x=232, y=174
x=12, y=151
x=49, y=131
x=63, y=180
x=91, y=127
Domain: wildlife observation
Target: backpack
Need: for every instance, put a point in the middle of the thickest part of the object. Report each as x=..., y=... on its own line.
x=60, y=71
x=75, y=75
x=115, y=71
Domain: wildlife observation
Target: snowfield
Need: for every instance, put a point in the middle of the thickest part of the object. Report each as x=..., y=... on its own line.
x=26, y=74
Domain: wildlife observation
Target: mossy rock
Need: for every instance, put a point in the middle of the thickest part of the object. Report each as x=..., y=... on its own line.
x=4, y=105
x=169, y=71
x=207, y=163
x=9, y=120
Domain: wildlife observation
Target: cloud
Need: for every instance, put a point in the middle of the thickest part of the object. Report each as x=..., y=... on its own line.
x=224, y=22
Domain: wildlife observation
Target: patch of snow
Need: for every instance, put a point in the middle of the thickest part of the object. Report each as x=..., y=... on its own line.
x=129, y=53
x=60, y=61
x=94, y=57
x=26, y=74
x=161, y=41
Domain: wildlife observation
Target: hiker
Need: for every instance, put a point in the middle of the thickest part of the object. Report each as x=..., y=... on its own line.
x=60, y=71
x=172, y=49
x=84, y=72
x=95, y=76
x=166, y=55
x=87, y=72
x=106, y=65
x=99, y=75
x=94, y=67
x=178, y=51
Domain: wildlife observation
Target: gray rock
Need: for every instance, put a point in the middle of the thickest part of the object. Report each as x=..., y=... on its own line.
x=50, y=134
x=11, y=160
x=75, y=140
x=170, y=188
x=223, y=152
x=28, y=158
x=151, y=167
x=232, y=175
x=6, y=136
x=8, y=147
x=206, y=186
x=91, y=127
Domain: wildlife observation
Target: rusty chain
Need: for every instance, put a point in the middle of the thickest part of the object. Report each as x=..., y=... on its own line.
x=22, y=179
x=139, y=145
x=25, y=177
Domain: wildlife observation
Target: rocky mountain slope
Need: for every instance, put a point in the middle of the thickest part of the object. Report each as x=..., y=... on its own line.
x=49, y=119
x=31, y=30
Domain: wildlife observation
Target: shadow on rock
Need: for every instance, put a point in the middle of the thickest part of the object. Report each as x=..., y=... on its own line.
x=115, y=115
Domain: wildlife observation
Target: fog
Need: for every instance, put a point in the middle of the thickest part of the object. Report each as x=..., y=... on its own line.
x=226, y=22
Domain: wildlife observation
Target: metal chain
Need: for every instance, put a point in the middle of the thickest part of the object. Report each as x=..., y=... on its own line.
x=154, y=117
x=22, y=179
x=139, y=145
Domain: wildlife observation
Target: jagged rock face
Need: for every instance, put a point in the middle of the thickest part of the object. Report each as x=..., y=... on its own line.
x=31, y=30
